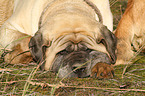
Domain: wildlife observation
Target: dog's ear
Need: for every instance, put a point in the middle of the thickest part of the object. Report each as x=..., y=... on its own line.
x=109, y=40
x=38, y=49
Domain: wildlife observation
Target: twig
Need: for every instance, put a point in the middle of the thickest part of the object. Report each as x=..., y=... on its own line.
x=11, y=82
x=44, y=84
x=121, y=10
x=4, y=70
x=78, y=87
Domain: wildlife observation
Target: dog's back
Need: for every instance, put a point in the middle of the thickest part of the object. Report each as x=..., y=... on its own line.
x=6, y=10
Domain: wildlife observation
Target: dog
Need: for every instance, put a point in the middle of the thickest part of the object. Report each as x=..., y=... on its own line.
x=130, y=31
x=68, y=37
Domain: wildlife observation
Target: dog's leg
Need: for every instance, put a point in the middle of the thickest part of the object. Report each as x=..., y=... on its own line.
x=125, y=35
x=102, y=70
x=124, y=52
x=16, y=44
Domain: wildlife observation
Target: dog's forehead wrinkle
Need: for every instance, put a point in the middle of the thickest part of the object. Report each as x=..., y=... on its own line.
x=74, y=39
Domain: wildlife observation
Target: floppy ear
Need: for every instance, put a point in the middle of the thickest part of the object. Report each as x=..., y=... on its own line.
x=38, y=49
x=109, y=40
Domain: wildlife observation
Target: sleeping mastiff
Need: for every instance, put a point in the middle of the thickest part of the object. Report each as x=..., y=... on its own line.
x=70, y=36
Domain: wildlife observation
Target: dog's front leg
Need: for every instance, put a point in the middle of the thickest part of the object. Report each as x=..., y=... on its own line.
x=16, y=44
x=102, y=71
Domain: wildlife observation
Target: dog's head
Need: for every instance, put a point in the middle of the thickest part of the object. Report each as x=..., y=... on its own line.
x=70, y=39
x=74, y=51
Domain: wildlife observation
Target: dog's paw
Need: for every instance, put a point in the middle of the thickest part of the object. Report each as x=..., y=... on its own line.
x=102, y=71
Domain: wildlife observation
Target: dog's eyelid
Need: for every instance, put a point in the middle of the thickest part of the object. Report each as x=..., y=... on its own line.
x=99, y=40
x=102, y=41
x=46, y=46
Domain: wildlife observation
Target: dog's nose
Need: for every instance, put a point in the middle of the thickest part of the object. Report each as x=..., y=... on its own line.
x=78, y=67
x=80, y=70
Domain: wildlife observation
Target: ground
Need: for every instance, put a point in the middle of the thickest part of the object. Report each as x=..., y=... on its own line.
x=27, y=79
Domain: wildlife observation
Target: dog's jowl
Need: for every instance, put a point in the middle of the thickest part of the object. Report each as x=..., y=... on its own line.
x=71, y=37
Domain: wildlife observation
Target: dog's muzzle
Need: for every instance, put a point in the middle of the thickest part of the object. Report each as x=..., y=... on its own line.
x=76, y=60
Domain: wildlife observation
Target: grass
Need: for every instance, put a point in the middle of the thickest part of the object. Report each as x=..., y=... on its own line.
x=27, y=79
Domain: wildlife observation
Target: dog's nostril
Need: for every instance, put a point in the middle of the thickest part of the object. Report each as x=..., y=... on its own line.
x=77, y=65
x=82, y=69
x=78, y=68
x=74, y=68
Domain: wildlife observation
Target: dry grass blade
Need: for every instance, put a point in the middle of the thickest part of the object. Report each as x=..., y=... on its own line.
x=11, y=82
x=4, y=70
x=46, y=84
x=97, y=88
x=33, y=72
x=113, y=2
x=124, y=70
